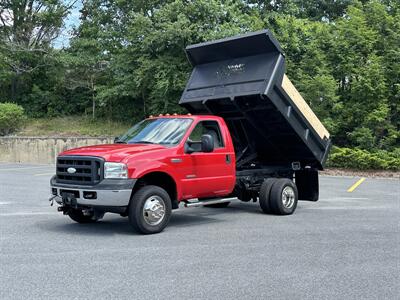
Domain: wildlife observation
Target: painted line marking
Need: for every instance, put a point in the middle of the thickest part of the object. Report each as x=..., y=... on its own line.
x=26, y=214
x=44, y=174
x=23, y=168
x=354, y=186
x=344, y=198
x=2, y=165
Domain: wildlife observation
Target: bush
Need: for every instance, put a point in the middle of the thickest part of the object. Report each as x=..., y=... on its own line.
x=362, y=159
x=363, y=137
x=12, y=118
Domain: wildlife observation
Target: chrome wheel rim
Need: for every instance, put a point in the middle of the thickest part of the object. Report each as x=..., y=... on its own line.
x=154, y=210
x=288, y=197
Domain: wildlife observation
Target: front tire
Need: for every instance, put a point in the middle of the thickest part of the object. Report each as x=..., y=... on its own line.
x=150, y=210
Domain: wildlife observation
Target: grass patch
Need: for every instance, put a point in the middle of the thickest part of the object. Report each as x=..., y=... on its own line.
x=73, y=126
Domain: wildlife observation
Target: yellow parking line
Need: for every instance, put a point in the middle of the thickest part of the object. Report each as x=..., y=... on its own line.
x=354, y=186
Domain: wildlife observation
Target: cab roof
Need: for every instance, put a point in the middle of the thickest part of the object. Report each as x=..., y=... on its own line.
x=186, y=116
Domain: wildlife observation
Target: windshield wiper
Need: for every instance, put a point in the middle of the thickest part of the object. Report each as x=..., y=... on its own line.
x=143, y=142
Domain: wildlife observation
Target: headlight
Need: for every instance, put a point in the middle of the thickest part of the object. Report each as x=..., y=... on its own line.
x=115, y=170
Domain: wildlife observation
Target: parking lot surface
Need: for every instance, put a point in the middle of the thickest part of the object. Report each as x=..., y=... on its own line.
x=345, y=246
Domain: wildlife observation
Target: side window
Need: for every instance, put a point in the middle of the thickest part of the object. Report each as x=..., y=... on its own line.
x=207, y=127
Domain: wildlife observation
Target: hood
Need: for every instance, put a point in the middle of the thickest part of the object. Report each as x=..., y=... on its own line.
x=113, y=152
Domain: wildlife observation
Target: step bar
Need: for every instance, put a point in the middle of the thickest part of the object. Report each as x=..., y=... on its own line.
x=196, y=202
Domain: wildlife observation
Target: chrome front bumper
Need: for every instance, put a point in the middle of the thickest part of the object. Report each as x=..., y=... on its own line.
x=109, y=192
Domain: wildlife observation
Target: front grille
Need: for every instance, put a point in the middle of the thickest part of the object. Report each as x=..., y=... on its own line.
x=89, y=170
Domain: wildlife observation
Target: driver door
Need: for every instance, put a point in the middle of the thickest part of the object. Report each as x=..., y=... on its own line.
x=211, y=174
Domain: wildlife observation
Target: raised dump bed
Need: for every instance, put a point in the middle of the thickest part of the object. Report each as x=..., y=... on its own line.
x=242, y=80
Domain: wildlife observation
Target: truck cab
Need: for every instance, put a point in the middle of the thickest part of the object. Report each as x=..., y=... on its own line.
x=190, y=157
x=249, y=135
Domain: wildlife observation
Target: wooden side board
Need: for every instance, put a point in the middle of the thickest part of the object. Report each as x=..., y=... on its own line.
x=302, y=105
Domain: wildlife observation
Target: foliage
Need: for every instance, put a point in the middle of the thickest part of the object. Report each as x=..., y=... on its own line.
x=363, y=159
x=12, y=117
x=27, y=29
x=147, y=64
x=126, y=59
x=321, y=10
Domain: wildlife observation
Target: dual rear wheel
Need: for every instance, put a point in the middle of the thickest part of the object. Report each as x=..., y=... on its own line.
x=278, y=196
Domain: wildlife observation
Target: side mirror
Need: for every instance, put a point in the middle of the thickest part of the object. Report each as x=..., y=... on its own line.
x=207, y=143
x=116, y=139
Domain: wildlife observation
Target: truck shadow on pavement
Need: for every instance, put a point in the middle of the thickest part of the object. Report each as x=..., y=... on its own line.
x=114, y=224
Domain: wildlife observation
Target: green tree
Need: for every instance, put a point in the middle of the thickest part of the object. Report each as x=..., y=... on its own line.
x=27, y=29
x=316, y=10
x=127, y=60
x=367, y=57
x=147, y=63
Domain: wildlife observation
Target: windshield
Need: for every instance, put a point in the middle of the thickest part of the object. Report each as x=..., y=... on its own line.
x=163, y=131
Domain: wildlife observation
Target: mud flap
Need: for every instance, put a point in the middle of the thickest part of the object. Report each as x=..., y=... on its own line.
x=307, y=184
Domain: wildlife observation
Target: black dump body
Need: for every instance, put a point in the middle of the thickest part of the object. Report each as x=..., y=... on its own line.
x=240, y=79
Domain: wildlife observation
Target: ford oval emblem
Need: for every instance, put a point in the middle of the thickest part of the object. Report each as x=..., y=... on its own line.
x=71, y=170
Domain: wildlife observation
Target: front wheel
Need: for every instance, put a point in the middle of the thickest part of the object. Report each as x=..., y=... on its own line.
x=150, y=209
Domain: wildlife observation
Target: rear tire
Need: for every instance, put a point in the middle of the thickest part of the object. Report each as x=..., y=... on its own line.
x=150, y=210
x=218, y=205
x=264, y=196
x=78, y=216
x=283, y=197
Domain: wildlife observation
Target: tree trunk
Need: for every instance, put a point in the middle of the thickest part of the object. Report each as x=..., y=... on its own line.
x=144, y=104
x=93, y=99
x=93, y=107
x=14, y=84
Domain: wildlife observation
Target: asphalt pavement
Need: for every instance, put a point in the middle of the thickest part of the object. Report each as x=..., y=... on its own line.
x=345, y=246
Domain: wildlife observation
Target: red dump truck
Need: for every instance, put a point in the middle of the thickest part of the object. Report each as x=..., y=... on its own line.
x=249, y=135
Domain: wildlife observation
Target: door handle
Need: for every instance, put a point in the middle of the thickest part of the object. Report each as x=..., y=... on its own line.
x=228, y=159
